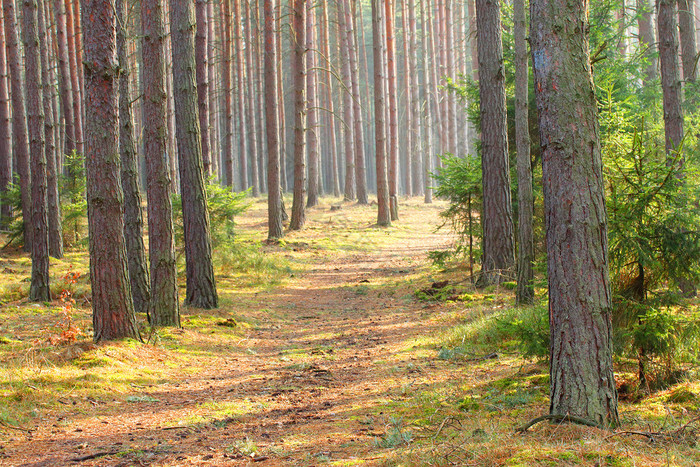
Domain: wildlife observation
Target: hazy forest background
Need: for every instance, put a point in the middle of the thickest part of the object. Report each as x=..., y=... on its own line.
x=348, y=232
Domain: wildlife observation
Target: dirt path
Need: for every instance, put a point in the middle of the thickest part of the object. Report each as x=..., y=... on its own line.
x=309, y=385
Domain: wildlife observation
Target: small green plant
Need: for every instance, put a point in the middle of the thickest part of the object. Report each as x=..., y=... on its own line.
x=73, y=205
x=529, y=326
x=395, y=435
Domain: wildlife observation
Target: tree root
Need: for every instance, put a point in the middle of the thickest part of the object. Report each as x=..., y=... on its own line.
x=557, y=418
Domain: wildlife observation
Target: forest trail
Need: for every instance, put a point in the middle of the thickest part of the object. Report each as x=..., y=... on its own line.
x=309, y=384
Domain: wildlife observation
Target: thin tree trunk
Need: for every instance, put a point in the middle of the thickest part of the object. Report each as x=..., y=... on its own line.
x=438, y=120
x=274, y=191
x=281, y=104
x=164, y=309
x=328, y=77
x=39, y=289
x=251, y=121
x=241, y=102
x=65, y=85
x=5, y=129
x=670, y=75
x=74, y=75
x=430, y=101
x=312, y=111
x=212, y=63
x=383, y=202
x=647, y=41
x=498, y=258
x=582, y=381
x=52, y=200
x=525, y=292
x=393, y=112
x=348, y=117
x=298, y=85
x=201, y=55
x=451, y=73
x=686, y=27
x=227, y=144
x=112, y=306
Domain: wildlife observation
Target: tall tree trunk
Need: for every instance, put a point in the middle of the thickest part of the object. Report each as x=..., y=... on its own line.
x=52, y=200
x=298, y=85
x=328, y=78
x=647, y=41
x=39, y=289
x=312, y=120
x=64, y=82
x=274, y=187
x=383, y=202
x=686, y=26
x=213, y=89
x=450, y=68
x=434, y=62
x=348, y=117
x=5, y=129
x=201, y=285
x=430, y=102
x=498, y=258
x=133, y=216
x=227, y=54
x=164, y=309
x=358, y=131
x=202, y=58
x=282, y=143
x=241, y=102
x=416, y=156
x=582, y=382
x=112, y=306
x=670, y=76
x=393, y=155
x=71, y=16
x=251, y=121
x=525, y=292
x=19, y=121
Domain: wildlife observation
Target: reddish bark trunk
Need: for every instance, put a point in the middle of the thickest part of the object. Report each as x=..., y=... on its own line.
x=65, y=86
x=686, y=28
x=201, y=41
x=670, y=75
x=227, y=144
x=74, y=75
x=383, y=202
x=393, y=154
x=251, y=104
x=312, y=120
x=348, y=117
x=427, y=80
x=5, y=129
x=298, y=85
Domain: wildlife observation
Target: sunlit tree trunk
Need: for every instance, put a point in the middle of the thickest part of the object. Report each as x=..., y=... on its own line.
x=348, y=117
x=202, y=58
x=133, y=216
x=582, y=382
x=383, y=202
x=212, y=91
x=328, y=98
x=5, y=129
x=164, y=309
x=525, y=292
x=251, y=121
x=112, y=306
x=64, y=82
x=298, y=85
x=227, y=54
x=430, y=98
x=498, y=257
x=416, y=158
x=71, y=16
x=312, y=120
x=393, y=123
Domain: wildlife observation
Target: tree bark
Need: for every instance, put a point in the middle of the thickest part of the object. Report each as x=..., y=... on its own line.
x=164, y=309
x=241, y=103
x=202, y=65
x=74, y=75
x=383, y=206
x=5, y=129
x=686, y=27
x=39, y=289
x=201, y=285
x=647, y=41
x=430, y=98
x=19, y=119
x=212, y=91
x=393, y=155
x=498, y=256
x=112, y=306
x=274, y=187
x=348, y=117
x=65, y=87
x=227, y=54
x=582, y=382
x=133, y=216
x=251, y=121
x=312, y=121
x=670, y=75
x=298, y=86
x=328, y=97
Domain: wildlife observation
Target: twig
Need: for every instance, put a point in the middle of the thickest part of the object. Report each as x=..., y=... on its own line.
x=557, y=418
x=94, y=456
x=12, y=427
x=441, y=426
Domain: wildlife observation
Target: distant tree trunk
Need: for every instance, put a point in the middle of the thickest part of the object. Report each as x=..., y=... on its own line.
x=393, y=156
x=241, y=103
x=312, y=111
x=430, y=98
x=19, y=120
x=251, y=121
x=383, y=202
x=348, y=117
x=52, y=200
x=201, y=285
x=473, y=40
x=282, y=119
x=647, y=41
x=39, y=289
x=79, y=55
x=170, y=93
x=227, y=139
x=358, y=131
x=434, y=64
x=112, y=306
x=164, y=309
x=201, y=41
x=328, y=97
x=133, y=216
x=582, y=381
x=71, y=16
x=298, y=85
x=416, y=155
x=670, y=76
x=64, y=82
x=212, y=91
x=525, y=292
x=274, y=187
x=498, y=258
x=5, y=130
x=686, y=26
x=451, y=98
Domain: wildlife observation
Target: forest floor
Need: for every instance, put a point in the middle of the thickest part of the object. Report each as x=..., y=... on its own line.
x=322, y=353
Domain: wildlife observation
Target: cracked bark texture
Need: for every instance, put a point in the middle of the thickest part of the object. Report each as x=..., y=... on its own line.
x=670, y=73
x=112, y=306
x=581, y=372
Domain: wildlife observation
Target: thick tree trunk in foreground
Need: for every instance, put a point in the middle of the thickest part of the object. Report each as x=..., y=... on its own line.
x=274, y=187
x=525, y=292
x=201, y=285
x=383, y=201
x=164, y=309
x=670, y=74
x=19, y=120
x=133, y=216
x=39, y=289
x=112, y=307
x=498, y=259
x=582, y=382
x=298, y=85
